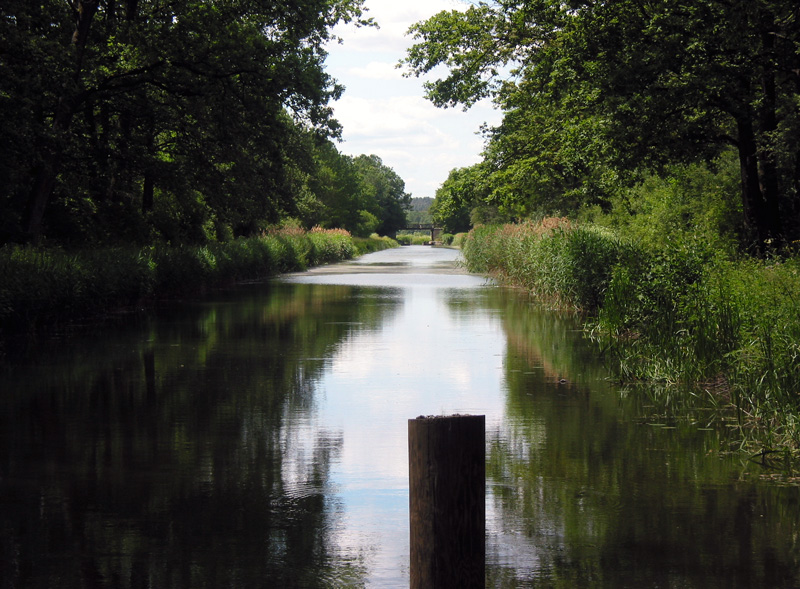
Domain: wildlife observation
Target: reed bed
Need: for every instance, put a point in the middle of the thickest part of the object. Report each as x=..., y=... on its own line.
x=680, y=313
x=43, y=286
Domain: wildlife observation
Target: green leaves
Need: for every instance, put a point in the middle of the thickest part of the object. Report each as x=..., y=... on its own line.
x=464, y=43
x=386, y=192
x=359, y=194
x=185, y=101
x=462, y=192
x=603, y=91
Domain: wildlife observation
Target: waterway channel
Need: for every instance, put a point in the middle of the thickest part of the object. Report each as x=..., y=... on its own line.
x=257, y=437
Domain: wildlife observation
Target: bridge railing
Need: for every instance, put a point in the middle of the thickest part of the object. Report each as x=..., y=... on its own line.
x=419, y=227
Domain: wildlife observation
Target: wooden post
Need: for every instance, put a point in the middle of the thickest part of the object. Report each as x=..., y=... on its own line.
x=447, y=501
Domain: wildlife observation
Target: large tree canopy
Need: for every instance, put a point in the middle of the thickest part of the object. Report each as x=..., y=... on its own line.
x=462, y=192
x=387, y=191
x=596, y=91
x=172, y=113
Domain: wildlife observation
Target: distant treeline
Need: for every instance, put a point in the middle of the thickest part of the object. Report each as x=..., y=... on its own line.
x=420, y=210
x=421, y=204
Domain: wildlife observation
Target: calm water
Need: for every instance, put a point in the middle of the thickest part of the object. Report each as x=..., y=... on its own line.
x=257, y=438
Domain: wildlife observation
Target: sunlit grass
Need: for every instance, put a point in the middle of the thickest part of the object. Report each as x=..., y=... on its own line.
x=678, y=313
x=414, y=238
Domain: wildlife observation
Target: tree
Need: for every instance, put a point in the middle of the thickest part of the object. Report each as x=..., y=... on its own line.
x=339, y=188
x=387, y=191
x=647, y=83
x=456, y=198
x=116, y=102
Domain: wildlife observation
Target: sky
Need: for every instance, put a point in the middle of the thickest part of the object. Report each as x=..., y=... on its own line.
x=387, y=115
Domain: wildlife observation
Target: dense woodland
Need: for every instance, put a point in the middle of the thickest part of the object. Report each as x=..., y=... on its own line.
x=614, y=107
x=144, y=121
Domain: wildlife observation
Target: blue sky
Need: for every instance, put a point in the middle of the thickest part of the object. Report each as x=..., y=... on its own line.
x=387, y=115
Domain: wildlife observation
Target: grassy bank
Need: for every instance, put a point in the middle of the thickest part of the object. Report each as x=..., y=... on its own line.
x=680, y=313
x=43, y=286
x=423, y=238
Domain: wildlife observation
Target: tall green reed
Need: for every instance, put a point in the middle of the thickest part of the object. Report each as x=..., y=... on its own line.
x=674, y=312
x=41, y=286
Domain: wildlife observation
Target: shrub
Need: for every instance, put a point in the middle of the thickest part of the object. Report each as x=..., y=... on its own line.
x=668, y=315
x=375, y=243
x=767, y=363
x=458, y=239
x=416, y=238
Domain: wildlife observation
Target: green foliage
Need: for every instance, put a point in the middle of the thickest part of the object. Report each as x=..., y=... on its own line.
x=367, y=225
x=414, y=238
x=667, y=315
x=669, y=311
x=375, y=243
x=39, y=285
x=337, y=185
x=386, y=192
x=458, y=196
x=138, y=121
x=419, y=217
x=765, y=371
x=42, y=286
x=597, y=95
x=330, y=246
x=685, y=201
x=560, y=264
x=361, y=195
x=458, y=239
x=420, y=211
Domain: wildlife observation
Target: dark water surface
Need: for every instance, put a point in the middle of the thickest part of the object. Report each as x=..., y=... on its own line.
x=257, y=438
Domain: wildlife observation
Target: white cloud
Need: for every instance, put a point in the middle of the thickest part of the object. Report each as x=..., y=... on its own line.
x=377, y=70
x=385, y=114
x=367, y=116
x=394, y=19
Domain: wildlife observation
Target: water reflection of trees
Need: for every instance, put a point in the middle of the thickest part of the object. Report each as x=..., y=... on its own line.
x=589, y=488
x=181, y=451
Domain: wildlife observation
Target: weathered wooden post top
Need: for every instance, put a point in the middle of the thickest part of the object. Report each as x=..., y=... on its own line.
x=447, y=501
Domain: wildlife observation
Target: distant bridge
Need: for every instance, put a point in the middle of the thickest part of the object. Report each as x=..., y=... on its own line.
x=435, y=231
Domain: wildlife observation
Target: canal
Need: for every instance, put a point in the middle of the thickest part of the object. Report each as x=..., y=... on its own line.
x=258, y=438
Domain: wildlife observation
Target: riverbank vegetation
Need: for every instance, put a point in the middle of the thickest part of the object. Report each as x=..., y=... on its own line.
x=646, y=171
x=151, y=150
x=45, y=285
x=414, y=237
x=675, y=313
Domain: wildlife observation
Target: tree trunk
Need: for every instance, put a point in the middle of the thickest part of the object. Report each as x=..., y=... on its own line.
x=753, y=202
x=147, y=192
x=767, y=155
x=47, y=171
